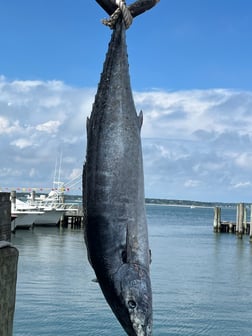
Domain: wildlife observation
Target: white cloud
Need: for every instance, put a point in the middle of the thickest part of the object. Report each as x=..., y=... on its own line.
x=196, y=144
x=192, y=183
x=50, y=126
x=6, y=127
x=32, y=172
x=201, y=137
x=76, y=173
x=21, y=143
x=244, y=160
x=242, y=185
x=182, y=114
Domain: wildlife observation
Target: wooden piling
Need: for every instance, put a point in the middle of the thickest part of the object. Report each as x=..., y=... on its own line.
x=230, y=227
x=245, y=219
x=250, y=228
x=13, y=198
x=237, y=218
x=5, y=216
x=8, y=268
x=8, y=279
x=240, y=217
x=217, y=219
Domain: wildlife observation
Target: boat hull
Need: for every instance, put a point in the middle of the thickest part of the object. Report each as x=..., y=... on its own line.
x=49, y=218
x=24, y=219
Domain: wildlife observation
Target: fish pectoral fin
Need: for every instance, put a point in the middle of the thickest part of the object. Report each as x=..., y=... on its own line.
x=95, y=280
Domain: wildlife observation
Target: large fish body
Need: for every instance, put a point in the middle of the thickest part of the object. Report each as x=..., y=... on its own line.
x=116, y=231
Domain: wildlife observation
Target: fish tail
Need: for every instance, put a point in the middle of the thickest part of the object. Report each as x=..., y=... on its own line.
x=117, y=8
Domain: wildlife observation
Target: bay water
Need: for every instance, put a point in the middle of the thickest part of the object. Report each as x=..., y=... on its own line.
x=202, y=281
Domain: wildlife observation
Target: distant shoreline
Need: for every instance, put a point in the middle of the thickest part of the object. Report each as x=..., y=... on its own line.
x=181, y=205
x=159, y=201
x=187, y=203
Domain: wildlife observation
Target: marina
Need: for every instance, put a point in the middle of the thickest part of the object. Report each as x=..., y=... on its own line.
x=52, y=210
x=44, y=210
x=195, y=292
x=203, y=289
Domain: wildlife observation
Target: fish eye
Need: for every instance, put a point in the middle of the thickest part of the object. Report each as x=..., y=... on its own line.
x=132, y=304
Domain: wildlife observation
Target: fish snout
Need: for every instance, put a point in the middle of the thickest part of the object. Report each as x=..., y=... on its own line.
x=142, y=330
x=141, y=326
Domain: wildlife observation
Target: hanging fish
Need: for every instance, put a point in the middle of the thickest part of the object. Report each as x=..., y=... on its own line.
x=116, y=231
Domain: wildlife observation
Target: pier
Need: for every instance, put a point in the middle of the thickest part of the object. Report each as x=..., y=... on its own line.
x=72, y=221
x=239, y=226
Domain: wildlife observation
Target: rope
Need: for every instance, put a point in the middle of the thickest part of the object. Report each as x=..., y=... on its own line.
x=122, y=9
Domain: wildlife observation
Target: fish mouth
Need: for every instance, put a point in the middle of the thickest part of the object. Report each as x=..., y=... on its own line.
x=141, y=330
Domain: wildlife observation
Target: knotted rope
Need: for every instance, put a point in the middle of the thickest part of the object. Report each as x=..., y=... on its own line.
x=122, y=9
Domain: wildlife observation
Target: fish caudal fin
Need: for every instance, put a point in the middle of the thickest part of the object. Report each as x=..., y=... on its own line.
x=116, y=8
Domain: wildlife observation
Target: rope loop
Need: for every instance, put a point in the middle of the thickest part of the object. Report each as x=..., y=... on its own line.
x=122, y=9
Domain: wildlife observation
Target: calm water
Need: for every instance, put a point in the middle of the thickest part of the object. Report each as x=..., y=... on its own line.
x=202, y=282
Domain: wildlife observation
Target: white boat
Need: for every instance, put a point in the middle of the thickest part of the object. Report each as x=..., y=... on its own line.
x=44, y=209
x=52, y=205
x=24, y=219
x=23, y=216
x=50, y=217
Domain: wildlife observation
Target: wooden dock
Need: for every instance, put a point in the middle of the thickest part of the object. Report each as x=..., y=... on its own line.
x=239, y=227
x=72, y=221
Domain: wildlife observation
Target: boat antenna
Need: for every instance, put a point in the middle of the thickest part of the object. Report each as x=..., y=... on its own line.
x=55, y=172
x=60, y=162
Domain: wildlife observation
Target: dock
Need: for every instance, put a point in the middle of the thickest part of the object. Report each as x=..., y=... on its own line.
x=72, y=221
x=239, y=226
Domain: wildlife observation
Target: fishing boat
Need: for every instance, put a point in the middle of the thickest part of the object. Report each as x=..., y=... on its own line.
x=53, y=205
x=47, y=210
x=23, y=215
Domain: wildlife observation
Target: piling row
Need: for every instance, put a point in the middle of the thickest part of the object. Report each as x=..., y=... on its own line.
x=75, y=222
x=240, y=227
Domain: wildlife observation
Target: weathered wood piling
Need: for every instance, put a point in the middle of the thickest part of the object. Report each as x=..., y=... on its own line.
x=8, y=268
x=5, y=216
x=240, y=226
x=250, y=228
x=217, y=219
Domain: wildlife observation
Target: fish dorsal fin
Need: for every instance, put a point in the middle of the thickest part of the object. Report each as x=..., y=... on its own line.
x=140, y=119
x=87, y=123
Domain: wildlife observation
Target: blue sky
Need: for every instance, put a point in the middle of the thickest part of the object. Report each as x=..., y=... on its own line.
x=190, y=66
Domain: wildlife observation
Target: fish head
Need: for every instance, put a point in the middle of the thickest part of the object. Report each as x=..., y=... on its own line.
x=135, y=297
